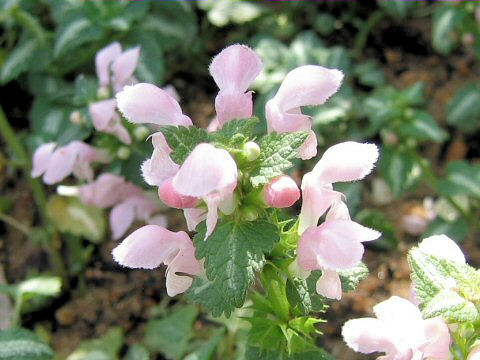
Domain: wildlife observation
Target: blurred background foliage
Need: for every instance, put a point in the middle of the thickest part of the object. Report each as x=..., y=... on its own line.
x=412, y=87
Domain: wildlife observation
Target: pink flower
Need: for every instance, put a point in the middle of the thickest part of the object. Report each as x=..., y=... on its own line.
x=400, y=332
x=107, y=190
x=304, y=86
x=106, y=119
x=160, y=166
x=348, y=161
x=168, y=194
x=146, y=103
x=281, y=192
x=210, y=174
x=474, y=353
x=122, y=216
x=152, y=245
x=57, y=163
x=233, y=70
x=121, y=65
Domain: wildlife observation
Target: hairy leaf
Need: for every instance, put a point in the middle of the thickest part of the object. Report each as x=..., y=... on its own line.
x=23, y=344
x=182, y=140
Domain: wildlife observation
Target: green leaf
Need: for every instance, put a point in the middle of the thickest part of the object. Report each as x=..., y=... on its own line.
x=451, y=307
x=211, y=297
x=207, y=349
x=40, y=286
x=74, y=33
x=462, y=179
x=351, y=278
x=399, y=170
x=396, y=8
x=232, y=253
x=265, y=333
x=137, y=352
x=19, y=60
x=72, y=216
x=445, y=20
x=182, y=140
x=463, y=110
x=369, y=73
x=423, y=127
x=171, y=334
x=302, y=294
x=22, y=344
x=235, y=132
x=105, y=348
x=277, y=149
x=255, y=353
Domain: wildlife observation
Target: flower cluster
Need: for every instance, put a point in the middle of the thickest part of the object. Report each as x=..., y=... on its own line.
x=209, y=182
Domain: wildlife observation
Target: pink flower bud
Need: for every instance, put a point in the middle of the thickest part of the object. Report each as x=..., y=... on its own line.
x=281, y=192
x=172, y=198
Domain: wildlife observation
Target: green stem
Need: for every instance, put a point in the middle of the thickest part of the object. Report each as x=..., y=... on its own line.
x=16, y=146
x=7, y=219
x=365, y=30
x=17, y=312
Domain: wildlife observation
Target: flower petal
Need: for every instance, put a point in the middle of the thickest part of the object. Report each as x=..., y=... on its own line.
x=281, y=192
x=398, y=310
x=309, y=148
x=442, y=247
x=329, y=285
x=438, y=337
x=41, y=158
x=193, y=217
x=348, y=161
x=104, y=59
x=145, y=103
x=124, y=67
x=102, y=112
x=147, y=247
x=160, y=166
x=235, y=68
x=172, y=198
x=206, y=169
x=233, y=105
x=316, y=199
x=369, y=335
x=121, y=218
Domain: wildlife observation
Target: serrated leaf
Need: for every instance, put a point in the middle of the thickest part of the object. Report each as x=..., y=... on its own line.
x=72, y=216
x=74, y=33
x=171, y=334
x=451, y=307
x=302, y=294
x=265, y=333
x=351, y=278
x=137, y=352
x=207, y=349
x=463, y=110
x=423, y=127
x=182, y=140
x=277, y=149
x=105, y=348
x=445, y=19
x=22, y=344
x=232, y=253
x=210, y=296
x=19, y=60
x=235, y=132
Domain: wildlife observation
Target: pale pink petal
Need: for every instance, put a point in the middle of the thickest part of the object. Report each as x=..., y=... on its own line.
x=329, y=285
x=102, y=113
x=177, y=284
x=316, y=199
x=212, y=202
x=206, y=169
x=369, y=335
x=160, y=220
x=145, y=103
x=160, y=166
x=119, y=130
x=291, y=121
x=147, y=247
x=121, y=218
x=475, y=352
x=124, y=67
x=348, y=161
x=193, y=217
x=41, y=158
x=397, y=310
x=442, y=247
x=281, y=192
x=172, y=198
x=104, y=59
x=107, y=190
x=229, y=201
x=232, y=105
x=309, y=148
x=170, y=90
x=61, y=164
x=438, y=338
x=214, y=125
x=235, y=68
x=144, y=206
x=338, y=211
x=332, y=245
x=307, y=85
